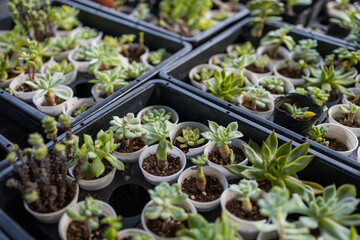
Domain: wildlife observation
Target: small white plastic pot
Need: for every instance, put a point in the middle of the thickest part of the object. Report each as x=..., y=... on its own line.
x=7, y=82
x=212, y=146
x=65, y=220
x=96, y=184
x=294, y=81
x=208, y=171
x=245, y=227
x=334, y=112
x=356, y=91
x=342, y=134
x=72, y=32
x=94, y=40
x=52, y=110
x=197, y=69
x=217, y=58
x=130, y=157
x=358, y=155
x=353, y=76
x=82, y=66
x=136, y=45
x=26, y=96
x=333, y=8
x=69, y=77
x=76, y=103
x=283, y=52
x=96, y=92
x=187, y=206
x=268, y=236
x=288, y=86
x=193, y=152
x=145, y=59
x=174, y=115
x=130, y=232
x=263, y=114
x=175, y=152
x=53, y=217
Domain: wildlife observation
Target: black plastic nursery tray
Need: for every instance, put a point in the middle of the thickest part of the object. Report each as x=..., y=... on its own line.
x=109, y=25
x=131, y=185
x=195, y=40
x=177, y=73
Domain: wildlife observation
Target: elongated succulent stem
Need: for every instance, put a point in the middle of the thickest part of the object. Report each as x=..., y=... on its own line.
x=246, y=205
x=50, y=98
x=200, y=179
x=350, y=118
x=141, y=43
x=163, y=164
x=124, y=50
x=224, y=152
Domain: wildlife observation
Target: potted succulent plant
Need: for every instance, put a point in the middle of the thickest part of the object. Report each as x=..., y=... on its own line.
x=9, y=70
x=156, y=113
x=98, y=163
x=133, y=51
x=130, y=133
x=346, y=116
x=260, y=67
x=240, y=203
x=12, y=41
x=257, y=101
x=47, y=192
x=186, y=136
x=106, y=83
x=167, y=212
x=201, y=73
x=335, y=7
x=161, y=162
x=335, y=137
x=238, y=65
x=78, y=57
x=88, y=35
x=90, y=219
x=66, y=20
x=292, y=71
x=134, y=70
x=348, y=22
x=347, y=60
x=296, y=112
x=271, y=163
x=64, y=45
x=219, y=59
x=306, y=50
x=50, y=97
x=356, y=100
x=225, y=148
x=155, y=57
x=67, y=68
x=76, y=106
x=238, y=50
x=204, y=185
x=276, y=86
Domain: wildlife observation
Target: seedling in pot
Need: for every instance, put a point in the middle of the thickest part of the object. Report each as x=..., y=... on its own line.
x=291, y=3
x=9, y=68
x=223, y=136
x=166, y=211
x=200, y=161
x=142, y=12
x=318, y=95
x=331, y=213
x=256, y=98
x=259, y=65
x=12, y=43
x=155, y=115
x=239, y=64
x=81, y=52
x=306, y=50
x=80, y=110
x=263, y=11
x=205, y=74
x=111, y=41
x=227, y=88
x=277, y=165
x=189, y=138
x=319, y=135
x=89, y=222
x=347, y=58
x=273, y=84
x=108, y=80
x=298, y=112
x=350, y=112
x=132, y=53
x=35, y=17
x=65, y=43
x=66, y=17
x=278, y=205
x=103, y=57
x=43, y=51
x=243, y=49
x=128, y=131
x=64, y=67
x=86, y=33
x=134, y=71
x=350, y=21
x=45, y=189
x=158, y=56
x=276, y=38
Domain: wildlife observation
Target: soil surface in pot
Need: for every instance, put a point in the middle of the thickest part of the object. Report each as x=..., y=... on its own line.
x=108, y=169
x=216, y=158
x=249, y=105
x=291, y=72
x=186, y=149
x=273, y=91
x=130, y=145
x=73, y=113
x=213, y=189
x=57, y=102
x=104, y=95
x=234, y=206
x=265, y=185
x=272, y=56
x=355, y=100
x=256, y=69
x=133, y=55
x=167, y=227
x=78, y=231
x=151, y=166
x=333, y=96
x=345, y=122
x=24, y=88
x=336, y=144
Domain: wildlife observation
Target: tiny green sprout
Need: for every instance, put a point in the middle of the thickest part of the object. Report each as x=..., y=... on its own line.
x=318, y=95
x=298, y=112
x=243, y=49
x=257, y=96
x=159, y=132
x=11, y=157
x=190, y=138
x=300, y=90
x=273, y=84
x=109, y=79
x=86, y=33
x=64, y=67
x=223, y=136
x=128, y=127
x=31, y=197
x=318, y=135
x=50, y=128
x=114, y=225
x=246, y=190
x=350, y=112
x=155, y=115
x=80, y=110
x=200, y=161
x=156, y=57
x=205, y=74
x=166, y=199
x=276, y=38
x=261, y=62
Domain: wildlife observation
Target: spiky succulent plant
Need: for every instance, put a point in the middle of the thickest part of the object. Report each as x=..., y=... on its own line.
x=318, y=135
x=298, y=112
x=190, y=138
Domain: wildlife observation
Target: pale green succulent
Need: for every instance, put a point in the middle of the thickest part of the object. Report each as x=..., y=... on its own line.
x=128, y=127
x=155, y=115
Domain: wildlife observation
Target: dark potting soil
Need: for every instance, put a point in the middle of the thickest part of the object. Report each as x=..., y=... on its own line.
x=127, y=238
x=186, y=150
x=24, y=88
x=133, y=56
x=256, y=69
x=130, y=145
x=77, y=231
x=11, y=74
x=273, y=57
x=345, y=122
x=213, y=189
x=248, y=104
x=103, y=95
x=291, y=73
x=57, y=102
x=151, y=166
x=108, y=169
x=167, y=227
x=333, y=96
x=73, y=113
x=234, y=206
x=273, y=91
x=264, y=185
x=355, y=100
x=336, y=144
x=216, y=158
